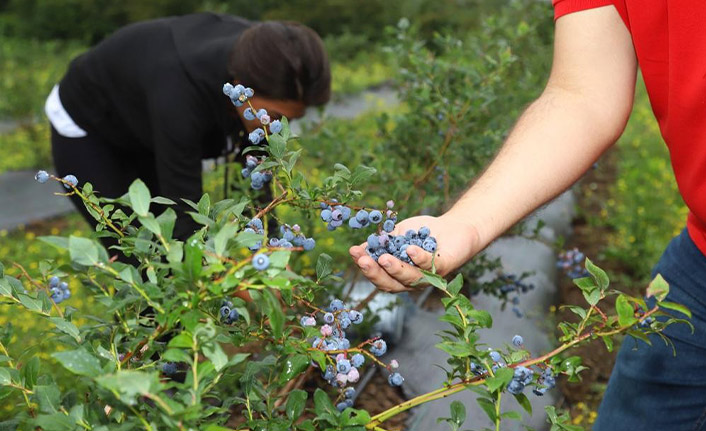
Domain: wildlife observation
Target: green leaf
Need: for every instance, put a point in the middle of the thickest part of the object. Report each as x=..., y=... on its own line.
x=151, y=224
x=247, y=239
x=193, y=258
x=60, y=242
x=5, y=288
x=592, y=296
x=274, y=313
x=214, y=352
x=585, y=283
x=361, y=174
x=524, y=402
x=220, y=241
x=79, y=362
x=483, y=318
x=458, y=413
x=434, y=279
x=625, y=312
x=322, y=403
x=293, y=366
x=30, y=303
x=323, y=266
x=162, y=201
x=182, y=340
x=513, y=415
x=501, y=379
x=676, y=307
x=128, y=384
x=598, y=274
x=204, y=205
x=139, y=196
x=5, y=378
x=277, y=145
x=295, y=404
x=457, y=349
x=488, y=407
x=48, y=398
x=55, y=422
x=659, y=288
x=608, y=343
x=456, y=284
x=30, y=372
x=83, y=251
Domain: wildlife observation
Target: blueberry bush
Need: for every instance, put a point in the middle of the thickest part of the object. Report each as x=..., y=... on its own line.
x=217, y=331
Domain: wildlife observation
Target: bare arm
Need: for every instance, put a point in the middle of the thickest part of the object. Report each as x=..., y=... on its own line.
x=582, y=111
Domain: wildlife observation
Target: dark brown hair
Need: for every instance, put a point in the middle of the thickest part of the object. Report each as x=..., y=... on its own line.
x=282, y=60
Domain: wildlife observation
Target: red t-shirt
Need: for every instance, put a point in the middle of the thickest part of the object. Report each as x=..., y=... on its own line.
x=670, y=42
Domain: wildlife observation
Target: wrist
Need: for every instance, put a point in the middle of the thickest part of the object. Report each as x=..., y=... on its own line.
x=466, y=229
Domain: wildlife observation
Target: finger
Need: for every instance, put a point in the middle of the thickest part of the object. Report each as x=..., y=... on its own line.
x=357, y=251
x=420, y=257
x=402, y=272
x=378, y=276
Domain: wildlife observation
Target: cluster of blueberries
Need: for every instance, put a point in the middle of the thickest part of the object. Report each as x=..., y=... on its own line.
x=335, y=216
x=570, y=262
x=292, y=237
x=646, y=322
x=514, y=284
x=337, y=319
x=396, y=245
x=59, y=290
x=257, y=179
x=69, y=180
x=240, y=94
x=522, y=376
x=228, y=313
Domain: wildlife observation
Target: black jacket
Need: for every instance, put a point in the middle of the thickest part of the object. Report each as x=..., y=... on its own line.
x=157, y=86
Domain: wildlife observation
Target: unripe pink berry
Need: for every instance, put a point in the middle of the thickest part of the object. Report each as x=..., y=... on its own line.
x=342, y=379
x=353, y=375
x=326, y=331
x=394, y=364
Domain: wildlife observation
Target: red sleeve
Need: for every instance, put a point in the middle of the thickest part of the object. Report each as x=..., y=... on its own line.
x=563, y=7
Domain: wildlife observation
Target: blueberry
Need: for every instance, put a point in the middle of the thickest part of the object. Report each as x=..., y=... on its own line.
x=395, y=379
x=388, y=226
x=309, y=244
x=358, y=360
x=343, y=366
x=373, y=241
x=337, y=305
x=250, y=162
x=495, y=356
x=429, y=245
x=249, y=114
x=41, y=177
x=261, y=262
x=256, y=223
x=169, y=368
x=260, y=113
x=71, y=180
x=274, y=242
x=248, y=92
x=265, y=119
x=375, y=217
x=341, y=406
x=245, y=172
x=356, y=317
x=227, y=89
x=349, y=393
x=275, y=126
x=517, y=341
x=54, y=281
x=345, y=322
x=329, y=318
x=254, y=137
x=225, y=311
x=515, y=387
x=354, y=223
x=379, y=347
x=424, y=232
x=345, y=211
x=362, y=216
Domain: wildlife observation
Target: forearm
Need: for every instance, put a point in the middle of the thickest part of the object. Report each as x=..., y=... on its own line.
x=554, y=142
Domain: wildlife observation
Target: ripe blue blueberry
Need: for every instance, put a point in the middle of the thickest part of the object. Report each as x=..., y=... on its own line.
x=275, y=126
x=245, y=172
x=354, y=223
x=429, y=245
x=309, y=244
x=249, y=114
x=358, y=360
x=349, y=393
x=517, y=340
x=395, y=379
x=345, y=322
x=248, y=92
x=169, y=368
x=41, y=177
x=341, y=406
x=54, y=281
x=225, y=311
x=375, y=217
x=495, y=356
x=329, y=318
x=261, y=262
x=337, y=305
x=373, y=241
x=362, y=216
x=388, y=226
x=343, y=366
x=71, y=180
x=233, y=315
x=379, y=347
x=260, y=113
x=356, y=317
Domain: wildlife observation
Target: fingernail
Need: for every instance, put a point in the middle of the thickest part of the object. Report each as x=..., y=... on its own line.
x=412, y=253
x=364, y=267
x=386, y=264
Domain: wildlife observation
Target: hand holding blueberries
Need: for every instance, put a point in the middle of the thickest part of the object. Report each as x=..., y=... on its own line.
x=456, y=244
